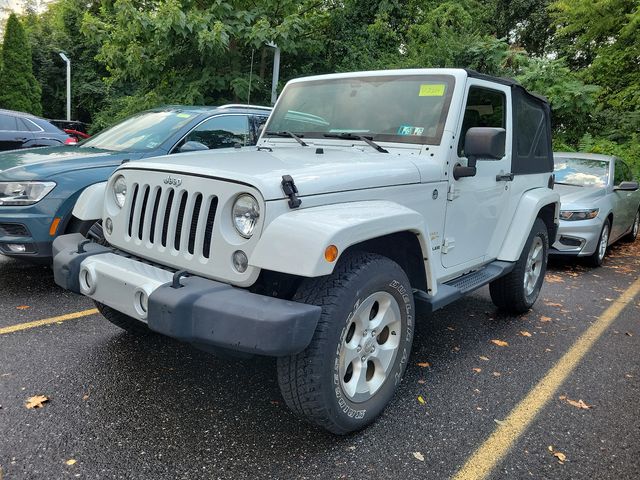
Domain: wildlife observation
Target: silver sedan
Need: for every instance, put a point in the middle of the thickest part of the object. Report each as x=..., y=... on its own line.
x=600, y=204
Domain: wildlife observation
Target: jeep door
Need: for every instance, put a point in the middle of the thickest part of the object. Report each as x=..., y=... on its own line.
x=475, y=214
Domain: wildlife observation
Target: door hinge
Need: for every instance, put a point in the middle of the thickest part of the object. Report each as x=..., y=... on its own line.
x=452, y=194
x=449, y=244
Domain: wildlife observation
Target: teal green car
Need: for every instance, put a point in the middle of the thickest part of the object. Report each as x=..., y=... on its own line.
x=39, y=186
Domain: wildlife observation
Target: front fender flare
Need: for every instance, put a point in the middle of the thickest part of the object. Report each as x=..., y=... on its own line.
x=295, y=242
x=90, y=202
x=527, y=211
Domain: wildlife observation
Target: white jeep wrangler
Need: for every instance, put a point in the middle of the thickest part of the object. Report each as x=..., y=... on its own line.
x=369, y=195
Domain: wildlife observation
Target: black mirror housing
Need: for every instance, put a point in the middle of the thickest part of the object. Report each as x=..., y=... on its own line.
x=627, y=186
x=192, y=146
x=485, y=143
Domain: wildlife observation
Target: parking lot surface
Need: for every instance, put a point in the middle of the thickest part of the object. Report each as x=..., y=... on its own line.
x=121, y=407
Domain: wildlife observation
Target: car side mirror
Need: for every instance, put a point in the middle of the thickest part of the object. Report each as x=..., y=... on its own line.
x=192, y=146
x=627, y=186
x=481, y=143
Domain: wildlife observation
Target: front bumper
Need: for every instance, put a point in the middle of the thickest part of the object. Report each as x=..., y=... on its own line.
x=578, y=238
x=28, y=227
x=198, y=310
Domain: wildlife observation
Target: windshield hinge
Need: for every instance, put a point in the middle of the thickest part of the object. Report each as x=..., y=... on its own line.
x=290, y=190
x=448, y=245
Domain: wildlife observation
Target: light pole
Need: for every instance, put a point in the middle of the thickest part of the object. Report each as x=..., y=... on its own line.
x=276, y=72
x=66, y=59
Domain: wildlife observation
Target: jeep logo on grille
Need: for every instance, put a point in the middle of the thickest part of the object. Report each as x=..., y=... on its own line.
x=176, y=182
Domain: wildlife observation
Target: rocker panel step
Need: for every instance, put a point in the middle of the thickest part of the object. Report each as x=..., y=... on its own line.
x=452, y=290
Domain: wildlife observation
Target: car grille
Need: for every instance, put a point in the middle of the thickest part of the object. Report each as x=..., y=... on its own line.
x=13, y=230
x=174, y=219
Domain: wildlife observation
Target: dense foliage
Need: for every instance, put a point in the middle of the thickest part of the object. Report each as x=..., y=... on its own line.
x=19, y=89
x=133, y=54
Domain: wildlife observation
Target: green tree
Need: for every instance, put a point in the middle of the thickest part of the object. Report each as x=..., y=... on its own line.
x=19, y=89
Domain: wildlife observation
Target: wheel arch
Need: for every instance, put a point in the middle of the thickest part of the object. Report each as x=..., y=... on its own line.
x=294, y=243
x=540, y=203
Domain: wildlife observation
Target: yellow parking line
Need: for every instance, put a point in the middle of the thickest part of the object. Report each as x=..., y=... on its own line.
x=494, y=449
x=47, y=321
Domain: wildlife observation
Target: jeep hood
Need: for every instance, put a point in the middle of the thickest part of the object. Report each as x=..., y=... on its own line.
x=42, y=163
x=579, y=197
x=335, y=170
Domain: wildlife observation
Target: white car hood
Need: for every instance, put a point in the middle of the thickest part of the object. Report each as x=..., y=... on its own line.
x=335, y=170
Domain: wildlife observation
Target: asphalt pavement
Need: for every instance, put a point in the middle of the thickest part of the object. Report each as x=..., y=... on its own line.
x=120, y=407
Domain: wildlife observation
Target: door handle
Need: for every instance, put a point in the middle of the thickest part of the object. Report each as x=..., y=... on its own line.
x=20, y=139
x=505, y=177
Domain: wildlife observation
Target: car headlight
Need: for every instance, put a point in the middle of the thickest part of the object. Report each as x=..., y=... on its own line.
x=24, y=193
x=572, y=215
x=120, y=191
x=245, y=214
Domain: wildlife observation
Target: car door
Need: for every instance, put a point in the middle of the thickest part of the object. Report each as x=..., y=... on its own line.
x=476, y=205
x=221, y=131
x=11, y=137
x=621, y=200
x=628, y=199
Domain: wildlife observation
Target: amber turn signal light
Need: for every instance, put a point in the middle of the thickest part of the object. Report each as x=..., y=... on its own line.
x=331, y=253
x=54, y=226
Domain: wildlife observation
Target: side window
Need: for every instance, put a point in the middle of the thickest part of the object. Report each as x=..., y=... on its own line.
x=223, y=131
x=485, y=108
x=8, y=123
x=622, y=173
x=531, y=137
x=25, y=125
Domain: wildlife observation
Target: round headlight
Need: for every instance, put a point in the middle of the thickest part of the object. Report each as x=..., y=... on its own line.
x=245, y=215
x=120, y=191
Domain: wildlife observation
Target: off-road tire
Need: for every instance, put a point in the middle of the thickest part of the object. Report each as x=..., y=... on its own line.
x=635, y=227
x=595, y=260
x=508, y=292
x=309, y=381
x=125, y=322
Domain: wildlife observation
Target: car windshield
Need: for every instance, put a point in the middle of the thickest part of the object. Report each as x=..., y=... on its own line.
x=142, y=132
x=582, y=172
x=393, y=108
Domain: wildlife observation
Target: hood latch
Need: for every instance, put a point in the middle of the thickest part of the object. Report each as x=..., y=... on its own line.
x=290, y=190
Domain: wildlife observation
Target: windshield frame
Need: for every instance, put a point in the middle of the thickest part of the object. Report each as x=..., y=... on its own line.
x=448, y=79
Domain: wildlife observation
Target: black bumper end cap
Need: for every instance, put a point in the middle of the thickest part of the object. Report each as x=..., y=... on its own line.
x=216, y=314
x=67, y=260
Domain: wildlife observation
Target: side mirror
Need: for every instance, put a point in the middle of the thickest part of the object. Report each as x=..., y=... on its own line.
x=481, y=143
x=192, y=146
x=627, y=186
x=484, y=143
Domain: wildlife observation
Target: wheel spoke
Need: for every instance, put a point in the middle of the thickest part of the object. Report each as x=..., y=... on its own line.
x=388, y=314
x=349, y=354
x=361, y=382
x=384, y=355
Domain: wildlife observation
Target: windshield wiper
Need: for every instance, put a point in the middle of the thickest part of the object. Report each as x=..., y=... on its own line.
x=351, y=136
x=570, y=184
x=288, y=134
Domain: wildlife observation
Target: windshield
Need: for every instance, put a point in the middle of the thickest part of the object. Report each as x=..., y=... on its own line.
x=392, y=108
x=145, y=131
x=582, y=172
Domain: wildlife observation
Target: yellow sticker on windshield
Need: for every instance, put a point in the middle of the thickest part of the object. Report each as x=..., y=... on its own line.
x=432, y=90
x=183, y=115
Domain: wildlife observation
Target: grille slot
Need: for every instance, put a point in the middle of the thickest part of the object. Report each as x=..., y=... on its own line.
x=164, y=217
x=208, y=230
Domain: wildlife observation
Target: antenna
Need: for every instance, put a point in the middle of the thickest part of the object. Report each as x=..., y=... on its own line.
x=250, y=76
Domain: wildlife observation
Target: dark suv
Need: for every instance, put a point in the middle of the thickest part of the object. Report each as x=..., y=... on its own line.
x=23, y=130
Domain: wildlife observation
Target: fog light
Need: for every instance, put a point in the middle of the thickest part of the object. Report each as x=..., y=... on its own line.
x=17, y=247
x=108, y=225
x=240, y=261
